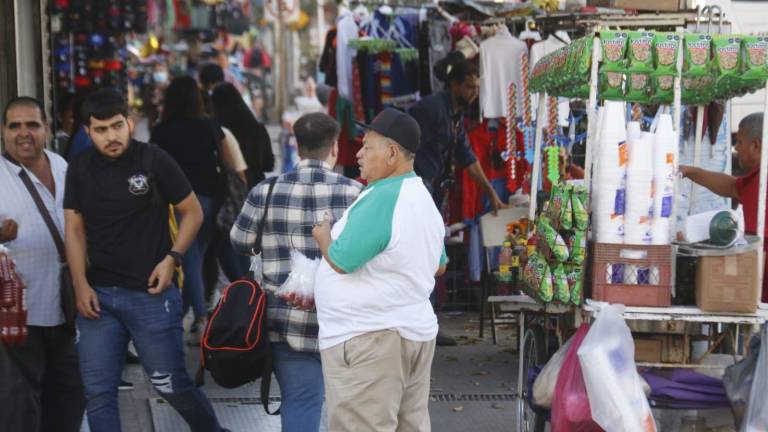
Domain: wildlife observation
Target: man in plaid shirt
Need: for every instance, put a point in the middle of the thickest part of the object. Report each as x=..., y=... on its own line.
x=300, y=199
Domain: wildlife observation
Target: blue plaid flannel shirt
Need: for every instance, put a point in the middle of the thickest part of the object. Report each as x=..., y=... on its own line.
x=300, y=199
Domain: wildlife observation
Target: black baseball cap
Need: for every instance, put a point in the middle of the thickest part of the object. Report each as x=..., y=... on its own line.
x=397, y=126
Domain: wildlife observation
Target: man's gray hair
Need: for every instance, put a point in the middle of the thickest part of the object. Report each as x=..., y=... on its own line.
x=407, y=154
x=752, y=125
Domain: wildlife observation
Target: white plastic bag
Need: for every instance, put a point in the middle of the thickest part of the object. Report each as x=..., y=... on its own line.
x=544, y=386
x=756, y=419
x=299, y=288
x=614, y=388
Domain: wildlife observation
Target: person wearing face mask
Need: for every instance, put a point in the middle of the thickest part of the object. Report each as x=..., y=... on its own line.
x=444, y=141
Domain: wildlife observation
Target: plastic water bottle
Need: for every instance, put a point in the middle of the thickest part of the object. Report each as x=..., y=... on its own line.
x=506, y=262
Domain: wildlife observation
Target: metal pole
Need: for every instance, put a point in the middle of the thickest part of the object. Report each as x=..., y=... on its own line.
x=282, y=63
x=761, y=196
x=696, y=154
x=537, y=144
x=592, y=113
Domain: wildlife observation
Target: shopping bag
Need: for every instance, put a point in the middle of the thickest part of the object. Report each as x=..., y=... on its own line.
x=737, y=380
x=607, y=358
x=570, y=404
x=544, y=386
x=756, y=419
x=299, y=288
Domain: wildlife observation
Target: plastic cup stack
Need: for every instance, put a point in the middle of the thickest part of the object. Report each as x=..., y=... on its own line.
x=639, y=206
x=664, y=166
x=612, y=155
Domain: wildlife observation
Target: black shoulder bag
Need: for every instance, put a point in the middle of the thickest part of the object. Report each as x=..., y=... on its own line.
x=67, y=287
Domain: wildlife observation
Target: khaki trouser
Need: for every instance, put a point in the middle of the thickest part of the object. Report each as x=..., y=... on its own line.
x=378, y=382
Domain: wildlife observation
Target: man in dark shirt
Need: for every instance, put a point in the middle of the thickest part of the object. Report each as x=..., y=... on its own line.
x=116, y=213
x=441, y=118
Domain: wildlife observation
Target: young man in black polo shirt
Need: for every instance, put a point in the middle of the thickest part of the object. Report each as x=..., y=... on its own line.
x=116, y=212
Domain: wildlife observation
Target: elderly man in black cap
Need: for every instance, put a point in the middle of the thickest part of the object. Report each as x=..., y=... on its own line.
x=377, y=326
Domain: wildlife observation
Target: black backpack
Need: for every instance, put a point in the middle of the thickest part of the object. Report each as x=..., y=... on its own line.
x=235, y=347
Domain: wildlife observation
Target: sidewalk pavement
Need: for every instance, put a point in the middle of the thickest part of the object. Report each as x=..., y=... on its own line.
x=472, y=389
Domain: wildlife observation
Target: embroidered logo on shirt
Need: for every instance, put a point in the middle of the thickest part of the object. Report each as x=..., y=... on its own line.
x=138, y=184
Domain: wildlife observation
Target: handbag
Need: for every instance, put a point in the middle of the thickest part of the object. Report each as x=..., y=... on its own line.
x=67, y=287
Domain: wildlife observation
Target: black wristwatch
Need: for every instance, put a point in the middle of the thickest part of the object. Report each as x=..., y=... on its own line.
x=177, y=257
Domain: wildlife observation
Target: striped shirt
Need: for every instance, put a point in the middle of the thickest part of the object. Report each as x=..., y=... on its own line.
x=34, y=251
x=300, y=199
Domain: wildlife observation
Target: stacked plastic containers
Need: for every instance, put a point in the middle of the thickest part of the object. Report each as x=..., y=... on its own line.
x=639, y=207
x=611, y=174
x=665, y=148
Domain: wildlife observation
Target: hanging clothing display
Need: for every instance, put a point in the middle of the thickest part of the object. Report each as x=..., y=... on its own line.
x=327, y=63
x=346, y=31
x=500, y=60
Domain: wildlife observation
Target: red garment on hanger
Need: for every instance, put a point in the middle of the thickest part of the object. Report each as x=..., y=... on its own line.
x=486, y=145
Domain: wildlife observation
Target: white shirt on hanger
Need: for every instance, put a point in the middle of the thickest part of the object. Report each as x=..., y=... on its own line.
x=346, y=31
x=499, y=65
x=538, y=51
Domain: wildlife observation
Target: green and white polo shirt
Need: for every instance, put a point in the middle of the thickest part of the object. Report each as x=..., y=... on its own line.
x=390, y=244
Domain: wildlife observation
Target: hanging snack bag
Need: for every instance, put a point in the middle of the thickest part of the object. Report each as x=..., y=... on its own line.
x=582, y=63
x=755, y=58
x=566, y=211
x=556, y=202
x=580, y=203
x=639, y=87
x=562, y=291
x=614, y=51
x=552, y=239
x=577, y=243
x=640, y=52
x=537, y=278
x=662, y=89
x=612, y=85
x=698, y=89
x=575, y=283
x=697, y=61
x=728, y=64
x=666, y=47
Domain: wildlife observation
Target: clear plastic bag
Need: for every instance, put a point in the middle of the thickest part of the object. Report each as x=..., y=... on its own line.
x=607, y=358
x=544, y=386
x=756, y=419
x=737, y=380
x=299, y=288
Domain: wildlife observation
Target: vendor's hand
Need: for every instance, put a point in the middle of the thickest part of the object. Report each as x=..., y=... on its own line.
x=9, y=229
x=87, y=302
x=496, y=204
x=685, y=170
x=321, y=231
x=161, y=277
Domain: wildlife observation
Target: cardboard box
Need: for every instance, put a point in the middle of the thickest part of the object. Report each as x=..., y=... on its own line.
x=645, y=5
x=648, y=350
x=728, y=283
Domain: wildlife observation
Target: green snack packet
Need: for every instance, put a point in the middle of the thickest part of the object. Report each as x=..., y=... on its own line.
x=556, y=202
x=537, y=278
x=575, y=283
x=612, y=85
x=582, y=61
x=566, y=211
x=755, y=58
x=639, y=87
x=662, y=89
x=562, y=291
x=697, y=61
x=577, y=243
x=728, y=64
x=640, y=51
x=553, y=240
x=698, y=89
x=665, y=50
x=580, y=203
x=614, y=51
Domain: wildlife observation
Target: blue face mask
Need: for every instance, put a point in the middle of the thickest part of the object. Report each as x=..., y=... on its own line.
x=160, y=77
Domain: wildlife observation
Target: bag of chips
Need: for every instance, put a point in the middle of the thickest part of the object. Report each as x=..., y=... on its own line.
x=755, y=58
x=577, y=243
x=662, y=89
x=614, y=51
x=698, y=89
x=566, y=211
x=612, y=85
x=639, y=87
x=697, y=61
x=580, y=203
x=552, y=239
x=728, y=65
x=575, y=282
x=640, y=52
x=554, y=208
x=562, y=291
x=537, y=278
x=665, y=50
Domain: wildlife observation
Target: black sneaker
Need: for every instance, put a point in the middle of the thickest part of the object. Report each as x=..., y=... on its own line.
x=125, y=385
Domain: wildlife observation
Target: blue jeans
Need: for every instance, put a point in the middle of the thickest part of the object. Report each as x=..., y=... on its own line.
x=193, y=291
x=154, y=324
x=300, y=376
